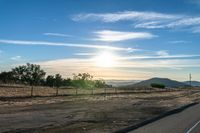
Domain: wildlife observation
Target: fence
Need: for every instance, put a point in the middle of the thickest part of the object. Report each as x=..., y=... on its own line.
x=22, y=91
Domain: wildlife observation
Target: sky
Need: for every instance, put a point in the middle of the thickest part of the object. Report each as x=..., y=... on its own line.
x=110, y=39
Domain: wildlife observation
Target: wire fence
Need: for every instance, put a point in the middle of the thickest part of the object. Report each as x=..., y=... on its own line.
x=24, y=91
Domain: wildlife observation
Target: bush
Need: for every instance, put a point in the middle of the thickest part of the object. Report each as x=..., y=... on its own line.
x=156, y=85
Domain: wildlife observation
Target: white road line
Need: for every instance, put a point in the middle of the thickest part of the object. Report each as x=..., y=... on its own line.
x=193, y=127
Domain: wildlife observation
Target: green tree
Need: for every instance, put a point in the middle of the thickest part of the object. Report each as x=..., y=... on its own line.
x=83, y=80
x=30, y=74
x=67, y=82
x=6, y=77
x=19, y=74
x=50, y=80
x=58, y=82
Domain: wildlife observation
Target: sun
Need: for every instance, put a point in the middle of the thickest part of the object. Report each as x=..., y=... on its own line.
x=105, y=59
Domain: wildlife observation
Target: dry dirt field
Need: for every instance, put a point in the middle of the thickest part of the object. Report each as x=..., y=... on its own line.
x=86, y=113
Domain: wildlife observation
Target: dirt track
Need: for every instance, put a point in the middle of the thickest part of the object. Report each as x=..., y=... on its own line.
x=91, y=114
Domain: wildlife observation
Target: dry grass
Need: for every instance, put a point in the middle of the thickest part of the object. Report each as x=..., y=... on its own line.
x=86, y=113
x=22, y=91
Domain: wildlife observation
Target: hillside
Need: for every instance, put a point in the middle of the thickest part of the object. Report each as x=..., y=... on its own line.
x=194, y=83
x=167, y=82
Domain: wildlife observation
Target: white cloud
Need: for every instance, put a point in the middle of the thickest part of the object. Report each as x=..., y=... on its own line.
x=16, y=58
x=93, y=46
x=162, y=53
x=186, y=21
x=57, y=34
x=122, y=16
x=85, y=54
x=148, y=20
x=150, y=25
x=114, y=36
x=163, y=56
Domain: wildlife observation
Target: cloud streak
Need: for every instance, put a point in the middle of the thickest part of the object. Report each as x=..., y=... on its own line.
x=93, y=46
x=147, y=20
x=159, y=57
x=124, y=16
x=57, y=34
x=179, y=42
x=115, y=36
x=16, y=58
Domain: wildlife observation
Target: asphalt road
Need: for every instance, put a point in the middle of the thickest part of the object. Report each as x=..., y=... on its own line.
x=187, y=121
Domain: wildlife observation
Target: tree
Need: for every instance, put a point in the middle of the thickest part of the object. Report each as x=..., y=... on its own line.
x=58, y=82
x=67, y=82
x=19, y=74
x=30, y=74
x=156, y=85
x=100, y=83
x=50, y=80
x=6, y=77
x=83, y=80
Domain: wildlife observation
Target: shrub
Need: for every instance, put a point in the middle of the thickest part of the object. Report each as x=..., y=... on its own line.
x=156, y=85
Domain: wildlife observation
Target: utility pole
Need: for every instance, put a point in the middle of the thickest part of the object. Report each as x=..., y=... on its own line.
x=190, y=79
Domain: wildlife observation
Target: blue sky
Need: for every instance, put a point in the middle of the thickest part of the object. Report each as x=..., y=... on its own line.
x=111, y=39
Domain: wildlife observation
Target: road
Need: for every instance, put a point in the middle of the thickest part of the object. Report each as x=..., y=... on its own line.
x=187, y=121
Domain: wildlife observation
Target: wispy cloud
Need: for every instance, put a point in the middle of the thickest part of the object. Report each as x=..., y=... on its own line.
x=153, y=57
x=85, y=54
x=196, y=2
x=114, y=36
x=124, y=16
x=16, y=58
x=179, y=42
x=147, y=20
x=162, y=53
x=196, y=29
x=93, y=46
x=187, y=22
x=57, y=34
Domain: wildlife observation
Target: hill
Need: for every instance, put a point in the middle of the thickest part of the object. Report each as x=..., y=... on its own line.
x=167, y=82
x=194, y=83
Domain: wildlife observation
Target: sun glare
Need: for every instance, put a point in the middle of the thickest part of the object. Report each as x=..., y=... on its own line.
x=105, y=59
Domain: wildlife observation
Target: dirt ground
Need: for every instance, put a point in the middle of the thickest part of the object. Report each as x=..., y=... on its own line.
x=87, y=113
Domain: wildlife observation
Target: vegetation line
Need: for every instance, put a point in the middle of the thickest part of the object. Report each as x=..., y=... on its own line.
x=33, y=75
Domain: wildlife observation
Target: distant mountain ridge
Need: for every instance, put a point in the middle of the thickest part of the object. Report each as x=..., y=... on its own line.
x=194, y=83
x=118, y=83
x=167, y=82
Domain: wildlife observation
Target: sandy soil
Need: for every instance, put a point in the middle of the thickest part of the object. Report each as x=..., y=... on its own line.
x=87, y=113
